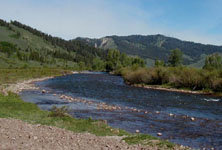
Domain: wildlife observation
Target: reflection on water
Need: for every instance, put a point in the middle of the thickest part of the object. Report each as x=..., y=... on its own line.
x=204, y=131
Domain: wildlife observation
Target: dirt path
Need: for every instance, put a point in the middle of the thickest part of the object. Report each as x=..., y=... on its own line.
x=16, y=135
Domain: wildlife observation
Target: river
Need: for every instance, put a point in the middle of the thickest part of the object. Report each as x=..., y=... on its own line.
x=149, y=111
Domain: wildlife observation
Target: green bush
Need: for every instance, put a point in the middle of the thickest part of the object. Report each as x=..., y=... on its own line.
x=177, y=77
x=138, y=76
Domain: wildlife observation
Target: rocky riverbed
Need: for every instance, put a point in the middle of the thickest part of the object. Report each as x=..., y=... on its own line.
x=16, y=134
x=187, y=119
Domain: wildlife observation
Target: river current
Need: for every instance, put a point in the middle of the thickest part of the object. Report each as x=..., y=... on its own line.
x=157, y=111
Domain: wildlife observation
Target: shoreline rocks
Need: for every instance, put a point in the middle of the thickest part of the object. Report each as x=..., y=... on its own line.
x=25, y=85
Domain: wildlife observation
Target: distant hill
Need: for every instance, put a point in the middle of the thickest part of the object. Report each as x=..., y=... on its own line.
x=154, y=47
x=22, y=46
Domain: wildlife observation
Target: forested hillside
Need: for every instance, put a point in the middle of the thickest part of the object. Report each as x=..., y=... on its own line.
x=22, y=46
x=154, y=47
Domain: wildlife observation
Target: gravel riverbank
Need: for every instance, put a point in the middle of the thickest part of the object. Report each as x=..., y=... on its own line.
x=16, y=134
x=25, y=85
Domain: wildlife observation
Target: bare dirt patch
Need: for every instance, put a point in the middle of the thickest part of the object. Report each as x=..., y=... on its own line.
x=16, y=134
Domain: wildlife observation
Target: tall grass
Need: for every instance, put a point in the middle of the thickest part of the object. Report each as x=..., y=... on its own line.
x=177, y=77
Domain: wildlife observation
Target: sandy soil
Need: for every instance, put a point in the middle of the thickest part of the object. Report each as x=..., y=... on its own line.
x=16, y=135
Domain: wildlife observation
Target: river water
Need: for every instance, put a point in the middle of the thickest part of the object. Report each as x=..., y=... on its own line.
x=152, y=108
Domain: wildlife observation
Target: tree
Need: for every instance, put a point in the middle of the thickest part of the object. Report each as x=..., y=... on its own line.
x=213, y=61
x=7, y=48
x=18, y=34
x=113, y=60
x=138, y=61
x=159, y=63
x=125, y=60
x=98, y=64
x=176, y=58
x=116, y=60
x=19, y=55
x=81, y=65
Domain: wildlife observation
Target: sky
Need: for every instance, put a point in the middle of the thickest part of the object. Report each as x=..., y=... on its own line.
x=190, y=20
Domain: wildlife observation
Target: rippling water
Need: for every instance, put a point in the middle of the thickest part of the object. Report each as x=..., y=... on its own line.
x=205, y=131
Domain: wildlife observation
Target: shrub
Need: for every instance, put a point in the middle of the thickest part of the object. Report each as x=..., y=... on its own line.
x=59, y=112
x=188, y=78
x=178, y=77
x=213, y=61
x=137, y=76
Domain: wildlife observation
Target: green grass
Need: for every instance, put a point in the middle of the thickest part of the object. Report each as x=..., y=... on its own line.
x=12, y=106
x=26, y=39
x=30, y=41
x=148, y=140
x=9, y=76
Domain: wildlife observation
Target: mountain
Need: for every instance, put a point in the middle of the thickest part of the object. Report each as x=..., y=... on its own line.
x=22, y=46
x=154, y=47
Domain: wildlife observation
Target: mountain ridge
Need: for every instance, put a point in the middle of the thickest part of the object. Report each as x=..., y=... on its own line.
x=154, y=47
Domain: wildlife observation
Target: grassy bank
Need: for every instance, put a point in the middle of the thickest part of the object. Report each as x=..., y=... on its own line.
x=9, y=76
x=186, y=78
x=12, y=106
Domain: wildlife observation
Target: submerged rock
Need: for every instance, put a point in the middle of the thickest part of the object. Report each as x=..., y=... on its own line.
x=157, y=112
x=137, y=131
x=192, y=119
x=185, y=117
x=159, y=134
x=171, y=115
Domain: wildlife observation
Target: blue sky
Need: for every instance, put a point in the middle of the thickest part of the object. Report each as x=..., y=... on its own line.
x=191, y=20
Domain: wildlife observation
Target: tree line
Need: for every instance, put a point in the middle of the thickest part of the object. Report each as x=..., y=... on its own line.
x=213, y=61
x=113, y=59
x=174, y=74
x=84, y=52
